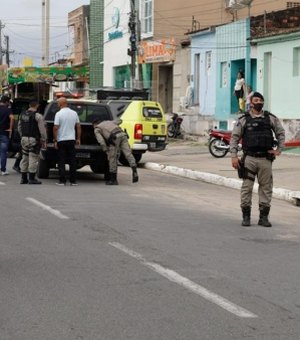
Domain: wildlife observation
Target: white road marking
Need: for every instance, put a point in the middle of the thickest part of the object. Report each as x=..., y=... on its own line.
x=188, y=284
x=55, y=212
x=1, y=183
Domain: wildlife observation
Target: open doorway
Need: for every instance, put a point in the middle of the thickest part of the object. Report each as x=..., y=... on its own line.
x=267, y=80
x=236, y=66
x=165, y=87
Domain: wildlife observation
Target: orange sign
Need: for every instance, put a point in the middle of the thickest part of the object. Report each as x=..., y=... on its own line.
x=157, y=51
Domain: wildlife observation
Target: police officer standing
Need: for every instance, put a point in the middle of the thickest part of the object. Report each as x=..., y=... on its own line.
x=113, y=140
x=256, y=129
x=31, y=128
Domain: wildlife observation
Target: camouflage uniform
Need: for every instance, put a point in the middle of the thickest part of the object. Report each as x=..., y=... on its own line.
x=113, y=140
x=31, y=146
x=257, y=163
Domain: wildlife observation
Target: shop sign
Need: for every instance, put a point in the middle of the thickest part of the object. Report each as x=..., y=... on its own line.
x=115, y=19
x=47, y=74
x=157, y=51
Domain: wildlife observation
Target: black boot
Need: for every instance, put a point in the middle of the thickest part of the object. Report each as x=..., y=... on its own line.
x=107, y=176
x=24, y=179
x=32, y=179
x=246, y=216
x=16, y=166
x=264, y=216
x=113, y=179
x=135, y=177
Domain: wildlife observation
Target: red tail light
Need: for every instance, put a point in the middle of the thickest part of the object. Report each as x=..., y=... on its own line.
x=138, y=131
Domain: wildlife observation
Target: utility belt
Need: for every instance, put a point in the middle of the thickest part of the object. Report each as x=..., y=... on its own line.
x=36, y=137
x=269, y=156
x=116, y=131
x=113, y=135
x=257, y=154
x=246, y=173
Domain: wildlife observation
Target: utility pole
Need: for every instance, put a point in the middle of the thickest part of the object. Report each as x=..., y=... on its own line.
x=7, y=50
x=45, y=31
x=133, y=40
x=1, y=50
x=139, y=35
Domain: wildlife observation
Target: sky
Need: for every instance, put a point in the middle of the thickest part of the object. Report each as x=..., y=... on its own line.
x=22, y=24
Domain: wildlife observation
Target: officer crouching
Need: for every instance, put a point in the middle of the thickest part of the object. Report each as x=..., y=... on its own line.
x=113, y=141
x=256, y=128
x=31, y=128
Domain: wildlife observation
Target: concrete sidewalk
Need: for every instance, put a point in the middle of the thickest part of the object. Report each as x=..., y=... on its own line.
x=192, y=160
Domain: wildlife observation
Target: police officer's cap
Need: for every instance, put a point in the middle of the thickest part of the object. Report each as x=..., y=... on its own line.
x=258, y=95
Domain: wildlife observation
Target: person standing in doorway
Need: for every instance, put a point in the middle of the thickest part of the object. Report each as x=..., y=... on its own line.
x=256, y=129
x=6, y=128
x=239, y=91
x=66, y=134
x=31, y=127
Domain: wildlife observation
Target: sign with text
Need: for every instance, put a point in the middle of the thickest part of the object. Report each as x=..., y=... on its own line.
x=47, y=74
x=157, y=51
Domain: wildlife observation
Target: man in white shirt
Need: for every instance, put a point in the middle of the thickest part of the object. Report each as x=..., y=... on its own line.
x=66, y=134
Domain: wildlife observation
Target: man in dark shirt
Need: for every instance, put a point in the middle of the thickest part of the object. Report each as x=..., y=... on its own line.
x=6, y=128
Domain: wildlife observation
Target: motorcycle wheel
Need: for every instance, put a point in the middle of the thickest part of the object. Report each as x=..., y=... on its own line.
x=171, y=130
x=214, y=149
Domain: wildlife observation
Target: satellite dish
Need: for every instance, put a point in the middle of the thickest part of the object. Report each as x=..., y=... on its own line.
x=238, y=4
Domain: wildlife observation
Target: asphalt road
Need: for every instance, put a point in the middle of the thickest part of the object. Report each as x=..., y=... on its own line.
x=165, y=258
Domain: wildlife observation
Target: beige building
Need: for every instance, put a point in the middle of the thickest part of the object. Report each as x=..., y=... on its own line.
x=78, y=22
x=172, y=19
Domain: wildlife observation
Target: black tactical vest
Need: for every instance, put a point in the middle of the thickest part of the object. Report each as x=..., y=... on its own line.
x=29, y=125
x=258, y=133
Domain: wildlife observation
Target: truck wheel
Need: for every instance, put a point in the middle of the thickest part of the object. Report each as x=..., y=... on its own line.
x=123, y=160
x=97, y=168
x=138, y=157
x=43, y=169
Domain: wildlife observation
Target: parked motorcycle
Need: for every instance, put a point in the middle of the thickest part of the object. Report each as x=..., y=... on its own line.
x=219, y=141
x=174, y=128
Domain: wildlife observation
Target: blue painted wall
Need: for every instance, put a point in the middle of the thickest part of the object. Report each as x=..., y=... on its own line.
x=280, y=82
x=203, y=43
x=232, y=54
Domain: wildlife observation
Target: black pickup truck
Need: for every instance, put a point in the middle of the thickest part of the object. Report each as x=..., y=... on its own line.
x=89, y=152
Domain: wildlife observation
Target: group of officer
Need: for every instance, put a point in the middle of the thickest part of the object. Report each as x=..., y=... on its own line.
x=31, y=127
x=256, y=128
x=32, y=131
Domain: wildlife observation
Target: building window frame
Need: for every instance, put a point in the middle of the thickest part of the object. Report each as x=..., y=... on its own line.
x=147, y=18
x=196, y=77
x=208, y=61
x=78, y=34
x=224, y=75
x=292, y=4
x=296, y=61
